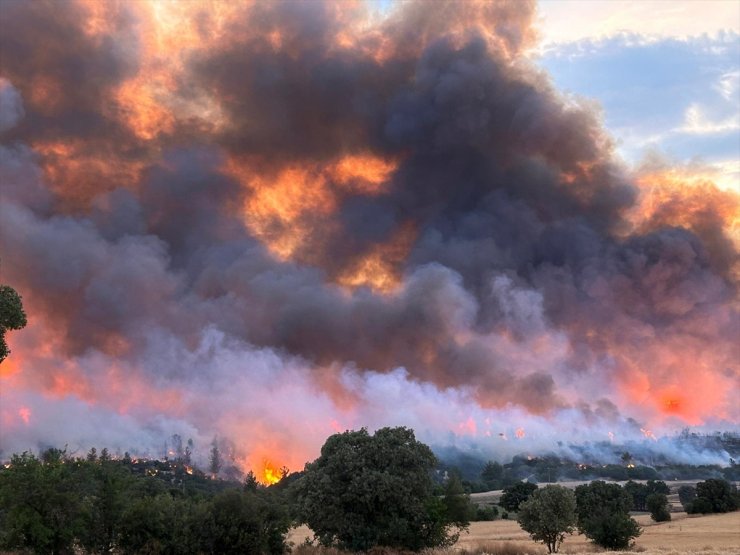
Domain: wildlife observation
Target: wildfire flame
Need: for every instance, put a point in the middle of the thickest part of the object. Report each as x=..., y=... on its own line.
x=271, y=474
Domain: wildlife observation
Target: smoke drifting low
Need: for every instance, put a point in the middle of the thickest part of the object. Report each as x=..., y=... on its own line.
x=274, y=221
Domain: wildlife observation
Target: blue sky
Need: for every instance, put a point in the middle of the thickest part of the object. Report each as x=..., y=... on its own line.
x=672, y=91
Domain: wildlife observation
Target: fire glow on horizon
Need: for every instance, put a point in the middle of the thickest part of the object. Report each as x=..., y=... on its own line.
x=273, y=221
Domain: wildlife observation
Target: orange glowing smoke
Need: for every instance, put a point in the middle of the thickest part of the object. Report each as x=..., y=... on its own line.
x=379, y=268
x=25, y=414
x=77, y=172
x=291, y=209
x=683, y=197
x=520, y=433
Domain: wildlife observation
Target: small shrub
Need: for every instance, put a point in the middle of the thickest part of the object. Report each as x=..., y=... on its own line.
x=657, y=504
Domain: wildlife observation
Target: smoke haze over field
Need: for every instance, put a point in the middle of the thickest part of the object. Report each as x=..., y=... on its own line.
x=274, y=221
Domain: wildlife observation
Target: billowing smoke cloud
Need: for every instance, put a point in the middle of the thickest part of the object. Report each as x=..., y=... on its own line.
x=272, y=221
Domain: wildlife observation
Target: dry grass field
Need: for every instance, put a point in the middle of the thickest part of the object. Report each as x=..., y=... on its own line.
x=699, y=535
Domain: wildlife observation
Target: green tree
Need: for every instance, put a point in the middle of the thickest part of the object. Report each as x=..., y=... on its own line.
x=162, y=524
x=657, y=486
x=686, y=494
x=39, y=503
x=719, y=494
x=516, y=494
x=603, y=514
x=12, y=316
x=457, y=503
x=104, y=496
x=244, y=522
x=548, y=515
x=214, y=460
x=639, y=493
x=657, y=504
x=374, y=490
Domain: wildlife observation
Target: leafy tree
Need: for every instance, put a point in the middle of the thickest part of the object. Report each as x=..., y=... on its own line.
x=12, y=316
x=548, y=515
x=158, y=525
x=247, y=523
x=718, y=493
x=39, y=504
x=365, y=491
x=516, y=494
x=657, y=504
x=104, y=499
x=686, y=494
x=457, y=502
x=657, y=486
x=639, y=493
x=603, y=514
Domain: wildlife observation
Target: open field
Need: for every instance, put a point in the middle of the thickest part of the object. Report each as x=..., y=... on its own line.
x=701, y=535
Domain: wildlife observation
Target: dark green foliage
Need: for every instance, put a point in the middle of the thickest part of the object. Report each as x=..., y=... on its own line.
x=639, y=493
x=516, y=494
x=485, y=513
x=247, y=523
x=548, y=515
x=56, y=504
x=39, y=505
x=365, y=491
x=657, y=504
x=603, y=515
x=612, y=531
x=700, y=505
x=12, y=316
x=718, y=495
x=491, y=475
x=657, y=486
x=686, y=494
x=457, y=503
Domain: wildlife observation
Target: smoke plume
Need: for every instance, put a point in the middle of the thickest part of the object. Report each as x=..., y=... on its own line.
x=272, y=221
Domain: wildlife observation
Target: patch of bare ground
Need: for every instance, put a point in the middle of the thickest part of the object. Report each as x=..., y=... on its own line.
x=695, y=535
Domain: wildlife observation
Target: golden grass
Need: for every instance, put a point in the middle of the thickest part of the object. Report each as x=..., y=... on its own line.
x=696, y=535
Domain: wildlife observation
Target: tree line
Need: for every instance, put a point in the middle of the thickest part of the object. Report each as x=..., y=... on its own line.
x=364, y=490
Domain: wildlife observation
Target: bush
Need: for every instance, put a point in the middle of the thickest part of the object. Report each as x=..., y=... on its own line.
x=657, y=504
x=603, y=514
x=699, y=505
x=486, y=513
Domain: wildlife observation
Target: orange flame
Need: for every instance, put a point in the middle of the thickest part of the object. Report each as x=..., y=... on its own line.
x=271, y=474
